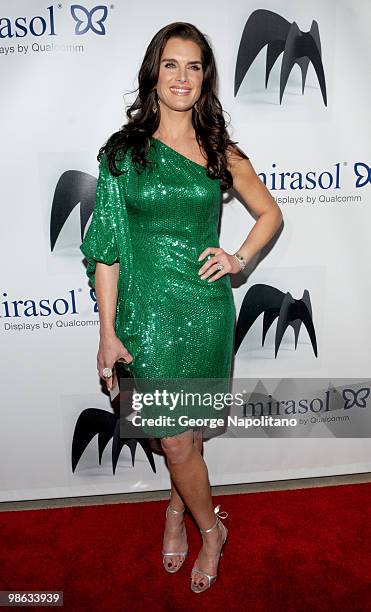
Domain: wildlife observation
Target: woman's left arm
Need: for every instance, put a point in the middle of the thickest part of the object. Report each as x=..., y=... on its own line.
x=259, y=200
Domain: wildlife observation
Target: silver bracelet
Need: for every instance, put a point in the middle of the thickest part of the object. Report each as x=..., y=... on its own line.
x=241, y=260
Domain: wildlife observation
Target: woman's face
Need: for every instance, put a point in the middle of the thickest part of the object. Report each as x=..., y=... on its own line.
x=180, y=75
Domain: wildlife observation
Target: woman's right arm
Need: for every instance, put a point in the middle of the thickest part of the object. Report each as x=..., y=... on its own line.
x=110, y=347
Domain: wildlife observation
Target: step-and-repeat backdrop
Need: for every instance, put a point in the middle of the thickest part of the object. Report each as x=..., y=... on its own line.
x=293, y=80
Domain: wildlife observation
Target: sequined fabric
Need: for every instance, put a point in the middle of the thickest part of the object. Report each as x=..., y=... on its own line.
x=156, y=224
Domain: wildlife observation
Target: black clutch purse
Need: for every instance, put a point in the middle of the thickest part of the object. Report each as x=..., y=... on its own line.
x=122, y=380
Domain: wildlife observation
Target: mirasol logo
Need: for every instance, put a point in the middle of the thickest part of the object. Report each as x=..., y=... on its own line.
x=84, y=19
x=29, y=308
x=351, y=397
x=326, y=179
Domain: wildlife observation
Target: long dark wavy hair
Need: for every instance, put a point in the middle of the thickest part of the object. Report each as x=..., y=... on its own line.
x=144, y=114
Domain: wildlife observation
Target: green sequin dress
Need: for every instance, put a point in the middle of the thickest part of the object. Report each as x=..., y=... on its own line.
x=156, y=223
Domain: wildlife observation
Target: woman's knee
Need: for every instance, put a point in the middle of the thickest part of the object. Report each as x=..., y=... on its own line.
x=178, y=448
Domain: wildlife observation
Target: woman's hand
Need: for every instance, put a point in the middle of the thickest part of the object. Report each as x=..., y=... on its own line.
x=111, y=350
x=219, y=256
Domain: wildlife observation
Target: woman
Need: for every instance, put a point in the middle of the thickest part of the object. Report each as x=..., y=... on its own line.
x=162, y=281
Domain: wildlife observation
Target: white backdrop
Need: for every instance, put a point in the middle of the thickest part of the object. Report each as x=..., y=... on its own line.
x=63, y=76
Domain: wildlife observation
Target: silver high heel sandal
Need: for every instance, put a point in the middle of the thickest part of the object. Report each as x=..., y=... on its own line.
x=195, y=587
x=174, y=568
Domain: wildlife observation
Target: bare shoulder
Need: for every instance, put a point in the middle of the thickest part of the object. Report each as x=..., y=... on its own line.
x=235, y=153
x=248, y=184
x=239, y=164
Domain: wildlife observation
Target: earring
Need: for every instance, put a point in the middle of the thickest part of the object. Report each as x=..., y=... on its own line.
x=156, y=103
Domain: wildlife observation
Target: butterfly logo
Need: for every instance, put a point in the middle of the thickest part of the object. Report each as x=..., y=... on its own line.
x=89, y=20
x=355, y=398
x=363, y=173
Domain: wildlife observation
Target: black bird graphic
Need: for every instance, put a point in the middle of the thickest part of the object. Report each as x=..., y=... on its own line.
x=73, y=187
x=275, y=304
x=265, y=27
x=107, y=425
x=93, y=421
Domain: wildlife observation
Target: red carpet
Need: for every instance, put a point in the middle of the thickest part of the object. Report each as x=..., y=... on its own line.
x=303, y=550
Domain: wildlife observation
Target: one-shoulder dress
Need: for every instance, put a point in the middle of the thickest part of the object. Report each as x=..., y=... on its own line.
x=156, y=223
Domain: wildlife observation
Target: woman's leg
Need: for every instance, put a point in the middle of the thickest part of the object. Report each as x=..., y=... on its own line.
x=175, y=499
x=189, y=472
x=174, y=534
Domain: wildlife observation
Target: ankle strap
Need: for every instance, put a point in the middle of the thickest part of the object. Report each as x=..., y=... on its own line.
x=219, y=515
